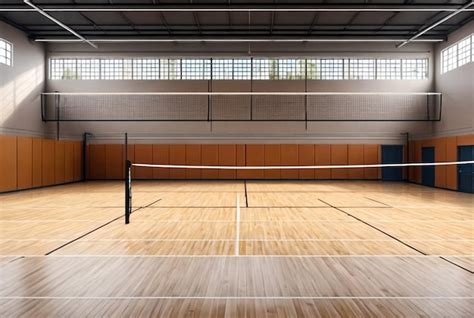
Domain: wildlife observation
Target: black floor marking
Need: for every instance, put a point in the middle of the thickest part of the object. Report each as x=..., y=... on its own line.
x=246, y=195
x=379, y=202
x=97, y=228
x=394, y=237
x=455, y=264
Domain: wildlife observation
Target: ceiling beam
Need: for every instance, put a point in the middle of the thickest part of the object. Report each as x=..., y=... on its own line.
x=40, y=11
x=237, y=39
x=240, y=8
x=434, y=25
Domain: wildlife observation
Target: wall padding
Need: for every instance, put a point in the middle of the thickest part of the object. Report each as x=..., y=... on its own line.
x=8, y=163
x=193, y=158
x=339, y=157
x=227, y=156
x=306, y=158
x=25, y=162
x=355, y=157
x=289, y=157
x=272, y=157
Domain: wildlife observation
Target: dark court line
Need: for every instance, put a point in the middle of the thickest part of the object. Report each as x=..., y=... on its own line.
x=394, y=237
x=97, y=228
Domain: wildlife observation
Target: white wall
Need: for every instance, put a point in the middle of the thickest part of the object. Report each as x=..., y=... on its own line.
x=329, y=132
x=21, y=85
x=457, y=87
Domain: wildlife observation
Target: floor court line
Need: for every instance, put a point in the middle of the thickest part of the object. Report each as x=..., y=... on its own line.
x=241, y=256
x=233, y=240
x=95, y=229
x=242, y=297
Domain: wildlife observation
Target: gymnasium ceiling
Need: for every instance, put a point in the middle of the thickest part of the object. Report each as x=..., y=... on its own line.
x=266, y=19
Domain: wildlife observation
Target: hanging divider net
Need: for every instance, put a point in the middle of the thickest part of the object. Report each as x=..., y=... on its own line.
x=241, y=106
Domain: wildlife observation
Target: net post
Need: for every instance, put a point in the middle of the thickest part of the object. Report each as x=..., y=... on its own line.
x=128, y=190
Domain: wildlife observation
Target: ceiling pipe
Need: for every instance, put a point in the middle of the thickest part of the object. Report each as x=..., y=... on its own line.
x=39, y=10
x=434, y=25
x=242, y=8
x=130, y=40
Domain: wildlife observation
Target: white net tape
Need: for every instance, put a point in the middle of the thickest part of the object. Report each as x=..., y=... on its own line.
x=383, y=165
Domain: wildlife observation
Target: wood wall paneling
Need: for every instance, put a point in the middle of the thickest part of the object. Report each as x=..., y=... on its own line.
x=114, y=161
x=143, y=154
x=210, y=157
x=272, y=157
x=306, y=158
x=289, y=157
x=440, y=156
x=465, y=140
x=25, y=162
x=371, y=156
x=227, y=155
x=451, y=171
x=193, y=157
x=355, y=157
x=78, y=160
x=339, y=157
x=8, y=163
x=255, y=156
x=68, y=161
x=96, y=162
x=47, y=161
x=417, y=157
x=177, y=157
x=59, y=161
x=322, y=157
x=36, y=162
x=240, y=153
x=161, y=155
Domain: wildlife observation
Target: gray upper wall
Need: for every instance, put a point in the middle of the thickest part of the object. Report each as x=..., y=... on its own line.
x=21, y=85
x=457, y=87
x=324, y=132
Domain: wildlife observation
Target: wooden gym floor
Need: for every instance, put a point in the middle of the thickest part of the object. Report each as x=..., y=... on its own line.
x=254, y=249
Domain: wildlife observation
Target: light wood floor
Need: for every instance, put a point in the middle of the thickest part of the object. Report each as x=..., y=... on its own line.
x=237, y=249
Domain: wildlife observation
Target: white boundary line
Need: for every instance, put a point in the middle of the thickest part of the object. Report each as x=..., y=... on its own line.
x=387, y=165
x=241, y=297
x=244, y=93
x=237, y=227
x=241, y=256
x=154, y=221
x=232, y=240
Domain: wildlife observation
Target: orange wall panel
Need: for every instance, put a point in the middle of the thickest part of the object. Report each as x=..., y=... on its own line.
x=8, y=163
x=209, y=157
x=78, y=157
x=227, y=155
x=59, y=163
x=355, y=157
x=143, y=154
x=47, y=161
x=371, y=156
x=451, y=171
x=322, y=157
x=338, y=157
x=255, y=156
x=36, y=164
x=440, y=155
x=114, y=161
x=272, y=157
x=465, y=140
x=306, y=158
x=417, y=157
x=289, y=157
x=25, y=162
x=240, y=154
x=177, y=157
x=161, y=155
x=96, y=162
x=68, y=161
x=193, y=157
